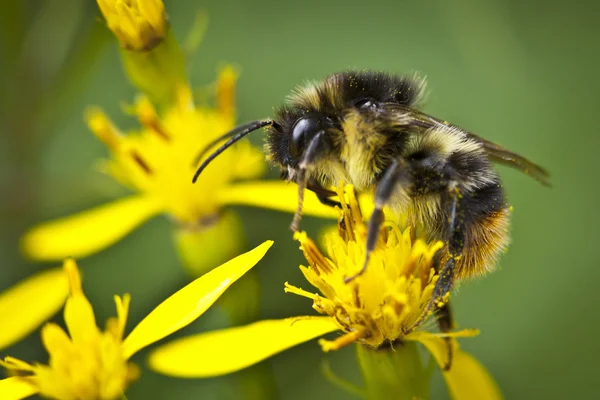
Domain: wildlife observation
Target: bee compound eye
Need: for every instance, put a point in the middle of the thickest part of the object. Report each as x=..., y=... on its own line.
x=365, y=104
x=300, y=130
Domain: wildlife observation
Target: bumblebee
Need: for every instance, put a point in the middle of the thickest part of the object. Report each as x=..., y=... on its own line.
x=366, y=128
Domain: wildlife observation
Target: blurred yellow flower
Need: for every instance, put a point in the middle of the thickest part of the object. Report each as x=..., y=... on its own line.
x=383, y=306
x=19, y=315
x=93, y=364
x=138, y=24
x=158, y=162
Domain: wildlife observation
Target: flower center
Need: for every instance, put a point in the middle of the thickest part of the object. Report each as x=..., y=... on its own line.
x=92, y=369
x=388, y=299
x=88, y=363
x=161, y=158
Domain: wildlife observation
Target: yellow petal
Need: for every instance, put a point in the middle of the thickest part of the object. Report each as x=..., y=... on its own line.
x=88, y=232
x=229, y=350
x=467, y=379
x=79, y=313
x=275, y=195
x=14, y=364
x=28, y=304
x=16, y=388
x=226, y=81
x=250, y=162
x=192, y=301
x=55, y=338
x=122, y=304
x=283, y=196
x=421, y=335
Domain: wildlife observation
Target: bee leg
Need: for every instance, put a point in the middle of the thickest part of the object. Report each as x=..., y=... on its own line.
x=456, y=239
x=446, y=324
x=439, y=302
x=446, y=275
x=324, y=195
x=302, y=180
x=394, y=174
x=326, y=200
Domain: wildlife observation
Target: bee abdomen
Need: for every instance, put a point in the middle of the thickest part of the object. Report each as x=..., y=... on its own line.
x=485, y=241
x=486, y=221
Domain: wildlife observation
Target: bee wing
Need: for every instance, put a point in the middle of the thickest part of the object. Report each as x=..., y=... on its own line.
x=504, y=156
x=495, y=152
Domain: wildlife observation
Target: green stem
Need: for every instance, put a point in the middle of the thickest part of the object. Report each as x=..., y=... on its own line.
x=204, y=249
x=340, y=382
x=394, y=373
x=241, y=304
x=158, y=72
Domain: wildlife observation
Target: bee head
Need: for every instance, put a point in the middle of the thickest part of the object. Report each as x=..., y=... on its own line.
x=297, y=142
x=290, y=139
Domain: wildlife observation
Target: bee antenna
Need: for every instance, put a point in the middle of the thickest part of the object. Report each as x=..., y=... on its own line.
x=235, y=134
x=307, y=159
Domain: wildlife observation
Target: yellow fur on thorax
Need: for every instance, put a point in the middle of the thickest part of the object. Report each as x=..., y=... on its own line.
x=360, y=149
x=329, y=172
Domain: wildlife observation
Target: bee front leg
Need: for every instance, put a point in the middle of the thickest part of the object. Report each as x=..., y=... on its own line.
x=397, y=173
x=324, y=195
x=327, y=201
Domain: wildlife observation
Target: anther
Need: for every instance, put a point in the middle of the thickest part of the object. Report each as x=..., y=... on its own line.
x=141, y=162
x=156, y=127
x=148, y=117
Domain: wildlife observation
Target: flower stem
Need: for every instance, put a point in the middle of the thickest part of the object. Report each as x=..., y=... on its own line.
x=394, y=372
x=158, y=72
x=241, y=304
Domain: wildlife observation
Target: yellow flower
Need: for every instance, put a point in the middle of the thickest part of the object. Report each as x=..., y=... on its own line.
x=92, y=364
x=383, y=306
x=138, y=24
x=19, y=317
x=158, y=162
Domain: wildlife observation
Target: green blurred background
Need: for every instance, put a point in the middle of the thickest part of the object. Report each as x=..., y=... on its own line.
x=521, y=73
